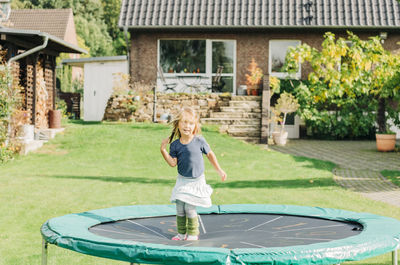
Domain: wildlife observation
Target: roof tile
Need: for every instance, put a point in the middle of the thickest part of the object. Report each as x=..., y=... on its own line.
x=51, y=21
x=259, y=13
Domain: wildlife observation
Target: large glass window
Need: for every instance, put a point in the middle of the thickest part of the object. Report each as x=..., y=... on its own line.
x=183, y=56
x=198, y=63
x=277, y=54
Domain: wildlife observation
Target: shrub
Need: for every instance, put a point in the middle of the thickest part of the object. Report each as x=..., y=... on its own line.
x=9, y=99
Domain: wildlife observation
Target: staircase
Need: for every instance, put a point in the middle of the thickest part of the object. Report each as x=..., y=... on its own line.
x=241, y=118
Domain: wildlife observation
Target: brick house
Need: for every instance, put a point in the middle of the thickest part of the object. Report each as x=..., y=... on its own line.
x=243, y=30
x=187, y=39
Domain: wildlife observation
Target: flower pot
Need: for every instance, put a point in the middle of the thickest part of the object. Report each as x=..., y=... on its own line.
x=280, y=138
x=26, y=132
x=385, y=142
x=254, y=92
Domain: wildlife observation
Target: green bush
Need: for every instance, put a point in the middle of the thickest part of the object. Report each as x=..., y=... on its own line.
x=9, y=96
x=351, y=88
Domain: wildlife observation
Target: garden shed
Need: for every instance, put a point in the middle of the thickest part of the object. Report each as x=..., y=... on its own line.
x=32, y=57
x=99, y=76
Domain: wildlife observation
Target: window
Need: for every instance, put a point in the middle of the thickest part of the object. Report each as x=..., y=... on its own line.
x=188, y=59
x=183, y=56
x=277, y=53
x=223, y=54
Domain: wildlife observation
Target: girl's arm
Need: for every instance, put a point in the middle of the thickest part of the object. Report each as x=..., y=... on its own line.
x=213, y=160
x=169, y=159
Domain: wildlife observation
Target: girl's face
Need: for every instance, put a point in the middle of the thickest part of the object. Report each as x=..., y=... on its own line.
x=187, y=125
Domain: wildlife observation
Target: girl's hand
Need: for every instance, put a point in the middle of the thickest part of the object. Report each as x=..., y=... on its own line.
x=222, y=174
x=164, y=144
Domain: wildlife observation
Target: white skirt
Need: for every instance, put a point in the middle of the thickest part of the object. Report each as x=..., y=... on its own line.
x=194, y=191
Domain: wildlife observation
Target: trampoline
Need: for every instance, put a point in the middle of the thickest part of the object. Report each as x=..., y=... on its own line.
x=229, y=234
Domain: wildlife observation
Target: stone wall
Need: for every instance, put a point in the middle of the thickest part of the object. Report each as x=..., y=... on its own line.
x=118, y=106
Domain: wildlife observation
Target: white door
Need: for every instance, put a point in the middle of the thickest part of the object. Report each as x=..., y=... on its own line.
x=98, y=87
x=292, y=126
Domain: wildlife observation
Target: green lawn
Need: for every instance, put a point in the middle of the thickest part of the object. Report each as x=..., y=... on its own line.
x=392, y=175
x=92, y=166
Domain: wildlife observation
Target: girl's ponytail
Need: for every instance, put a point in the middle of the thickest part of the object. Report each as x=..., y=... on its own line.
x=175, y=130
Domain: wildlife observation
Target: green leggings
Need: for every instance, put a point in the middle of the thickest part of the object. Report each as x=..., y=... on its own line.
x=187, y=220
x=187, y=225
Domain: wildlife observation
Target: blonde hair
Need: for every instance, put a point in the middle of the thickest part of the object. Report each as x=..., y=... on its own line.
x=175, y=123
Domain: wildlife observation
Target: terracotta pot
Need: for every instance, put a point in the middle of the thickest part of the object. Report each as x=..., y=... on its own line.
x=280, y=138
x=55, y=119
x=385, y=142
x=254, y=92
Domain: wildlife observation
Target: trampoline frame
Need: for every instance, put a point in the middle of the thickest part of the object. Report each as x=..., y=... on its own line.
x=388, y=240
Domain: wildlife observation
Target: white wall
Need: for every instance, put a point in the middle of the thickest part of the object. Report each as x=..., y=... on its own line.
x=98, y=86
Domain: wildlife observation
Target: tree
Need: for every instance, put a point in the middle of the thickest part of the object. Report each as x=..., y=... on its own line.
x=352, y=79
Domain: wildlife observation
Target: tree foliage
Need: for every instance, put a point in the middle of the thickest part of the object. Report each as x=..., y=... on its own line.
x=349, y=89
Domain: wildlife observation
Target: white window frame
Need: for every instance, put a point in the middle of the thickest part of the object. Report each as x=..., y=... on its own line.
x=208, y=72
x=281, y=74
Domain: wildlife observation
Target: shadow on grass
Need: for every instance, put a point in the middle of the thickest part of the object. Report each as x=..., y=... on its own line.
x=288, y=184
x=82, y=122
x=265, y=184
x=315, y=163
x=154, y=181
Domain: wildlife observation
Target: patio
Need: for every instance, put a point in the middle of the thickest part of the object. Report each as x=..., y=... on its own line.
x=358, y=165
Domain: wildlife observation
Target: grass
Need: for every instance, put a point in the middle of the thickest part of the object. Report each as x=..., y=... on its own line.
x=392, y=175
x=99, y=165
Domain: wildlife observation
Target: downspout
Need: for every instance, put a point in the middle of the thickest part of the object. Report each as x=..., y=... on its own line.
x=29, y=52
x=127, y=49
x=22, y=55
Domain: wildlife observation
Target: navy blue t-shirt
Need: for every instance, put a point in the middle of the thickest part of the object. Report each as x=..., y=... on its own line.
x=190, y=156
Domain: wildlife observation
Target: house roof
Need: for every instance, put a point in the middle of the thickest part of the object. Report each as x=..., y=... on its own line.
x=31, y=38
x=81, y=61
x=136, y=14
x=52, y=21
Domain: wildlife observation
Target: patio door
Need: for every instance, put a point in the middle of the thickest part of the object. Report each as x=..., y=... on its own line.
x=223, y=53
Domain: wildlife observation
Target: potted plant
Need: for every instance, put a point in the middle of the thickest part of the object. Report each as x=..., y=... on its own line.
x=254, y=78
x=385, y=138
x=286, y=103
x=24, y=131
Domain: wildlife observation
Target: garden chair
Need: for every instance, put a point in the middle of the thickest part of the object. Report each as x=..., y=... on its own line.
x=168, y=85
x=215, y=83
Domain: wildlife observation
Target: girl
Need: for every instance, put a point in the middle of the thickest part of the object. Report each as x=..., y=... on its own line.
x=190, y=189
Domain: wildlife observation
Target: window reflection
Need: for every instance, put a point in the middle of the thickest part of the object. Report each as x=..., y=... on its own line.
x=183, y=56
x=222, y=54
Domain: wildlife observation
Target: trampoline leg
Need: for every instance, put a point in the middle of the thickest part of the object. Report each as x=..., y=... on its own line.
x=394, y=257
x=44, y=252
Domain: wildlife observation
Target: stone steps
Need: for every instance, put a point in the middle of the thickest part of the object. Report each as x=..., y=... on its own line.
x=241, y=109
x=246, y=98
x=236, y=115
x=241, y=118
x=230, y=121
x=249, y=127
x=244, y=104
